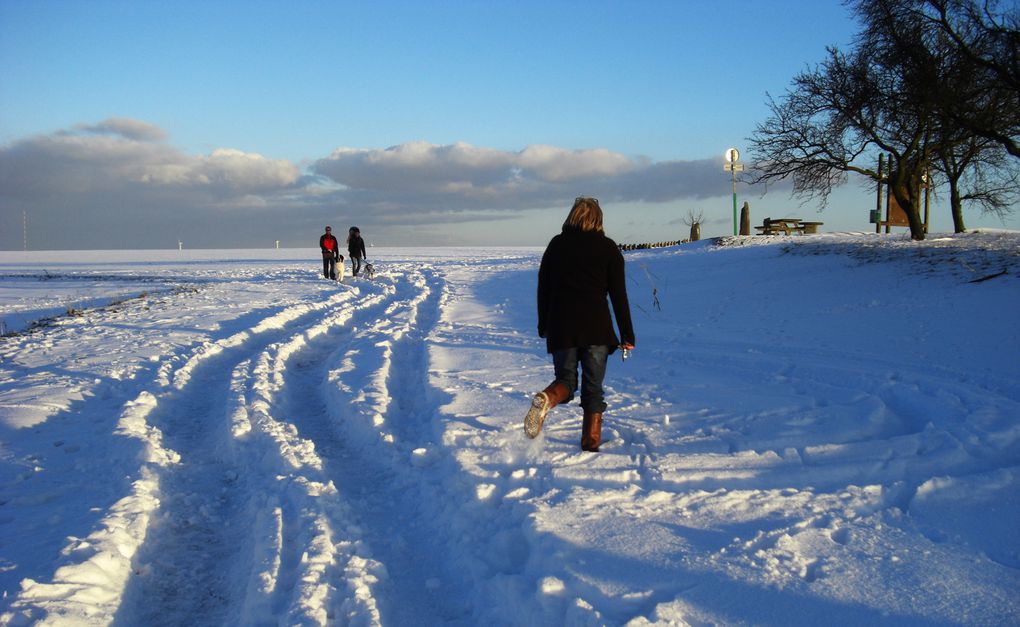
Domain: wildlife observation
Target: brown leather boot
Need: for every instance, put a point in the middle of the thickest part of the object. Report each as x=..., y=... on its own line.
x=545, y=400
x=591, y=431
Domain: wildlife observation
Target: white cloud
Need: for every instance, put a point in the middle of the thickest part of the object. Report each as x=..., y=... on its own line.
x=127, y=128
x=120, y=176
x=415, y=166
x=461, y=177
x=246, y=171
x=461, y=167
x=77, y=163
x=549, y=163
x=117, y=184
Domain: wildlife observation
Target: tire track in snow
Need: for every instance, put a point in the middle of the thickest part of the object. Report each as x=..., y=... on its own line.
x=419, y=542
x=308, y=564
x=194, y=551
x=95, y=567
x=366, y=406
x=303, y=559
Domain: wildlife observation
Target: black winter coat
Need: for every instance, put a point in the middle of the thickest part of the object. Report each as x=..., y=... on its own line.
x=356, y=247
x=579, y=269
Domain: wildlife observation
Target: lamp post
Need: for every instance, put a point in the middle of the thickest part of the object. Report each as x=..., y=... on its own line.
x=732, y=164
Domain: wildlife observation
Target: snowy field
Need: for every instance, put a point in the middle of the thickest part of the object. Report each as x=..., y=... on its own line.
x=811, y=430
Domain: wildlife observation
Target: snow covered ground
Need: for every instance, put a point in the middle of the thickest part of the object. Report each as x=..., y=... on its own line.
x=813, y=430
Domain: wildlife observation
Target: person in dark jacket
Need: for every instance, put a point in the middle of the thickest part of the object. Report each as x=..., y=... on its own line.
x=330, y=248
x=580, y=268
x=356, y=248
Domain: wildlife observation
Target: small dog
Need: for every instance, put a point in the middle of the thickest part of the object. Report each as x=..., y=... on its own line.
x=369, y=270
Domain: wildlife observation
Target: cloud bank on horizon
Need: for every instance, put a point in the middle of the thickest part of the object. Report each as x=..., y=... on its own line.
x=115, y=183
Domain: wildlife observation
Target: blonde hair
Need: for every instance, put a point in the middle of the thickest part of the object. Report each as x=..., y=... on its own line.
x=585, y=215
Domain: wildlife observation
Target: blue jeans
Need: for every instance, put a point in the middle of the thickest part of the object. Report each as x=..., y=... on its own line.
x=593, y=370
x=355, y=265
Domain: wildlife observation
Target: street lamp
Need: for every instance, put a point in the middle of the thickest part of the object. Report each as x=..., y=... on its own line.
x=732, y=164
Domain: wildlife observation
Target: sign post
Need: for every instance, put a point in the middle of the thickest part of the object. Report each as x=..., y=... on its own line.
x=732, y=157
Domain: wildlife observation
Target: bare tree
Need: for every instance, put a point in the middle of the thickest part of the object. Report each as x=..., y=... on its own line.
x=987, y=41
x=834, y=120
x=977, y=171
x=930, y=82
x=961, y=60
x=694, y=221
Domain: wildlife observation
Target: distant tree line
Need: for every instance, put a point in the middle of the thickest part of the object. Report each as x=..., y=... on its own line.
x=934, y=84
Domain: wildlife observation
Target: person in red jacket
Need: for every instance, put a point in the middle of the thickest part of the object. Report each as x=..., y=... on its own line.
x=330, y=253
x=580, y=268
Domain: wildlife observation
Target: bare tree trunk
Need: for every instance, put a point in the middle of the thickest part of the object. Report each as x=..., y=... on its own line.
x=694, y=221
x=956, y=206
x=909, y=206
x=905, y=188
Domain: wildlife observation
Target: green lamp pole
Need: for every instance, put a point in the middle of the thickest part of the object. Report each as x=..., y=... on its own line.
x=732, y=165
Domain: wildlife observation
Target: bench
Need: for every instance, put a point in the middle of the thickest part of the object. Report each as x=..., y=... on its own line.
x=787, y=226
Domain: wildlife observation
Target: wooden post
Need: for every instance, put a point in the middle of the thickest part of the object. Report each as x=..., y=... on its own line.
x=888, y=192
x=878, y=198
x=927, y=187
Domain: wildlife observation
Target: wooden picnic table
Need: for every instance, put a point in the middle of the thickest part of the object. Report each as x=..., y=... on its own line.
x=787, y=226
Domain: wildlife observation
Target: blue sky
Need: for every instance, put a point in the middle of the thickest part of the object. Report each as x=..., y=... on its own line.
x=223, y=124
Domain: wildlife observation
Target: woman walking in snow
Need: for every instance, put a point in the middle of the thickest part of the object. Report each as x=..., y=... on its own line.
x=356, y=247
x=580, y=268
